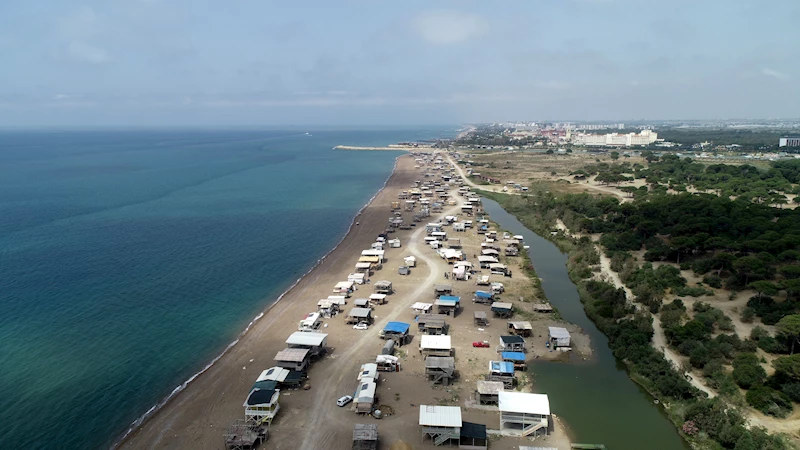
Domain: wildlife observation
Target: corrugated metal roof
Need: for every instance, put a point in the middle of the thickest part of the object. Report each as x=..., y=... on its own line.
x=445, y=302
x=360, y=312
x=501, y=367
x=440, y=416
x=490, y=387
x=441, y=342
x=275, y=373
x=307, y=338
x=483, y=294
x=292, y=355
x=522, y=402
x=502, y=305
x=520, y=325
x=558, y=332
x=366, y=391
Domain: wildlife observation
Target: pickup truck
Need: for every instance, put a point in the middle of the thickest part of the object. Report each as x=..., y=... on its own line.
x=481, y=344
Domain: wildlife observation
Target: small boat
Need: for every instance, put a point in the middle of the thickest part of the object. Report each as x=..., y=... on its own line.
x=526, y=247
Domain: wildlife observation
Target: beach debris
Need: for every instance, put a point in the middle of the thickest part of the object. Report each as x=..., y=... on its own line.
x=252, y=360
x=244, y=367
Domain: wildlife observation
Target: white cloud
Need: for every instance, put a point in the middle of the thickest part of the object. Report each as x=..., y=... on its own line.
x=81, y=51
x=444, y=27
x=775, y=74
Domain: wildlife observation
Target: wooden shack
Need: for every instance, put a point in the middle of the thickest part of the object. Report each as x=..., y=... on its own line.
x=480, y=319
x=432, y=324
x=365, y=436
x=486, y=392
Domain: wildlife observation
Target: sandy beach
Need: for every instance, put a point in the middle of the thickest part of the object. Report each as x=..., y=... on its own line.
x=309, y=419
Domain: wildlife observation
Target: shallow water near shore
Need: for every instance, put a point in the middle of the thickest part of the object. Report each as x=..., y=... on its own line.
x=596, y=398
x=129, y=259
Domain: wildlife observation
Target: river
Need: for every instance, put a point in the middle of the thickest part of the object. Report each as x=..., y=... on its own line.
x=596, y=398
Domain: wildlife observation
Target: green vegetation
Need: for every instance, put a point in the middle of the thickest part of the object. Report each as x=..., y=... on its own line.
x=707, y=234
x=747, y=139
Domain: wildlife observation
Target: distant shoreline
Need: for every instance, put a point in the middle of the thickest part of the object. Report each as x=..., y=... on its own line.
x=388, y=147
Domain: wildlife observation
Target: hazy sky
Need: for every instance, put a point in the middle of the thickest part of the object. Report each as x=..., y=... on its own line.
x=251, y=62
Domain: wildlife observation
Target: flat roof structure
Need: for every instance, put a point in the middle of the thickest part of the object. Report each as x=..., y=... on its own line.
x=261, y=397
x=520, y=324
x=369, y=370
x=523, y=402
x=422, y=306
x=480, y=314
x=308, y=339
x=377, y=296
x=489, y=387
x=441, y=301
x=437, y=342
x=502, y=305
x=292, y=355
x=501, y=367
x=513, y=356
x=511, y=340
x=397, y=327
x=274, y=374
x=360, y=312
x=440, y=416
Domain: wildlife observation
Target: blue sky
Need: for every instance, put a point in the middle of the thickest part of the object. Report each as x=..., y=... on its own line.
x=259, y=62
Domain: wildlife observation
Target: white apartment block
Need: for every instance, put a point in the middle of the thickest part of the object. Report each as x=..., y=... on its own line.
x=645, y=137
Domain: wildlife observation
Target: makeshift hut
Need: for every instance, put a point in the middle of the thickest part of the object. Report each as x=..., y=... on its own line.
x=511, y=344
x=365, y=437
x=516, y=358
x=503, y=309
x=486, y=392
x=473, y=436
x=435, y=346
x=396, y=331
x=442, y=289
x=503, y=372
x=377, y=299
x=520, y=328
x=314, y=342
x=440, y=369
x=558, y=337
x=296, y=359
x=383, y=287
x=483, y=297
x=359, y=315
x=480, y=319
x=440, y=423
x=447, y=304
x=422, y=308
x=432, y=324
x=262, y=405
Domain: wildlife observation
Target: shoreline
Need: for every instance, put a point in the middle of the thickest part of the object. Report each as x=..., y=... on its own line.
x=393, y=147
x=142, y=421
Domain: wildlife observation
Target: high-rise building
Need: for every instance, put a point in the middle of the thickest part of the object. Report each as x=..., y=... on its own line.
x=789, y=141
x=644, y=137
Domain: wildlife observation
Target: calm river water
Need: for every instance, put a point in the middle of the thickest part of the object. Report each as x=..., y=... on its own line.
x=597, y=399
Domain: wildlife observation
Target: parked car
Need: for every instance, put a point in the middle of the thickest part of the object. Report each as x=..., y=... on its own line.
x=482, y=344
x=403, y=270
x=361, y=326
x=344, y=400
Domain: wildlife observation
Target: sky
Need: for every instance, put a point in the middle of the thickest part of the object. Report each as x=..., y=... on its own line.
x=262, y=62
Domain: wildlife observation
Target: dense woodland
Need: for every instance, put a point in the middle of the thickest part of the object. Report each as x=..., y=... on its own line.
x=732, y=244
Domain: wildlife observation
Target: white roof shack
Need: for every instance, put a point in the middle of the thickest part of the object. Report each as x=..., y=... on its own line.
x=338, y=299
x=560, y=335
x=440, y=416
x=523, y=402
x=372, y=252
x=275, y=374
x=419, y=306
x=377, y=296
x=441, y=342
x=306, y=339
x=344, y=285
x=487, y=259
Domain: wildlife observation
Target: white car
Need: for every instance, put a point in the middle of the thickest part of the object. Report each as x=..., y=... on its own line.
x=344, y=400
x=361, y=326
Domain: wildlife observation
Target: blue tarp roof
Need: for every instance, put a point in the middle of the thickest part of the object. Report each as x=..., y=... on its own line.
x=483, y=294
x=501, y=366
x=396, y=327
x=513, y=356
x=450, y=297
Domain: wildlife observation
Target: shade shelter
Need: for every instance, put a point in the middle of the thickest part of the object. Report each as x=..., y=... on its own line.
x=315, y=342
x=523, y=413
x=520, y=328
x=396, y=331
x=422, y=308
x=503, y=309
x=484, y=297
x=358, y=315
x=442, y=289
x=377, y=299
x=558, y=337
x=440, y=423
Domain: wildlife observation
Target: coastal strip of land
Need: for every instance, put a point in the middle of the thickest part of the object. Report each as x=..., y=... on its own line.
x=407, y=148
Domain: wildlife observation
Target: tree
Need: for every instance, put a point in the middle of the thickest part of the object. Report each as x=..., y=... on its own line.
x=748, y=266
x=615, y=155
x=788, y=366
x=764, y=288
x=789, y=326
x=747, y=371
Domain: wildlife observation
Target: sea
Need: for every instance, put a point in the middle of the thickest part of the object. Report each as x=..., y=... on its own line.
x=130, y=259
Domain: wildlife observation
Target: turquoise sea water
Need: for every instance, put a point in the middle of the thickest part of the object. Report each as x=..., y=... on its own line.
x=129, y=259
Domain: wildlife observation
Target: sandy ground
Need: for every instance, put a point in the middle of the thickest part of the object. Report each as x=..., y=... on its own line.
x=309, y=419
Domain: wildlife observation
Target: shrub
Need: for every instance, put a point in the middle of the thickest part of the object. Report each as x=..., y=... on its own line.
x=713, y=281
x=747, y=371
x=769, y=401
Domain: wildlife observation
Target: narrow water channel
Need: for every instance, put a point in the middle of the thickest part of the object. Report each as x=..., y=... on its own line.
x=597, y=399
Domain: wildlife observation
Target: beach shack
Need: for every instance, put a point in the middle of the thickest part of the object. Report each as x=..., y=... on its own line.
x=524, y=414
x=520, y=328
x=440, y=423
x=383, y=287
x=499, y=269
x=261, y=406
x=373, y=261
x=422, y=308
x=503, y=309
x=365, y=436
x=486, y=392
x=396, y=331
x=503, y=372
x=364, y=397
x=511, y=344
x=447, y=304
x=327, y=308
x=511, y=251
x=442, y=289
x=377, y=299
x=558, y=337
x=515, y=358
x=543, y=308
x=480, y=319
x=485, y=261
x=459, y=226
x=344, y=288
x=359, y=315
x=410, y=261
x=483, y=297
x=487, y=251
x=311, y=322
x=440, y=369
x=296, y=359
x=357, y=277
x=364, y=267
x=453, y=243
x=316, y=343
x=473, y=436
x=432, y=324
x=362, y=303
x=452, y=255
x=430, y=345
x=374, y=253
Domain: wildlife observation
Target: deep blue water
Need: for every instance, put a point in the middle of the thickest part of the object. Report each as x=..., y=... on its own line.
x=129, y=259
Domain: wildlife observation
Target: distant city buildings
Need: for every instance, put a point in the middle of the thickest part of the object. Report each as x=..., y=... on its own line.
x=789, y=141
x=607, y=126
x=643, y=138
